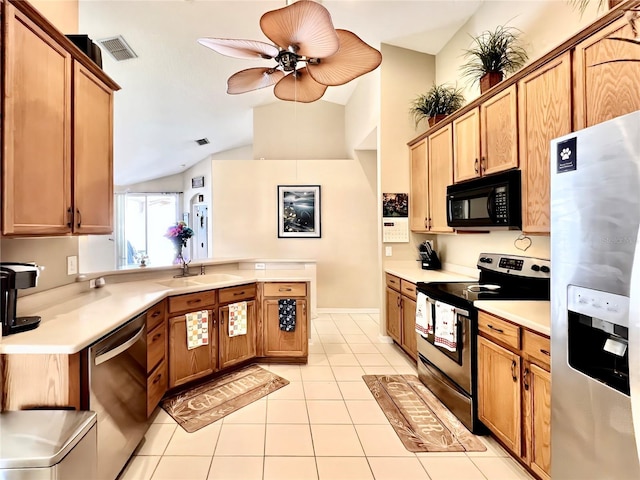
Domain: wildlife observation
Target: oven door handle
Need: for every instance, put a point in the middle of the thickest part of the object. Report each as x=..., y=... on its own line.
x=459, y=311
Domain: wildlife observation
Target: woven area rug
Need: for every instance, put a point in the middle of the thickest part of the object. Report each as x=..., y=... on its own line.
x=421, y=421
x=204, y=404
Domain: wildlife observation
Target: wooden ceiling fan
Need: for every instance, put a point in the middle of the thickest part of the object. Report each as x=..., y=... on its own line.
x=310, y=54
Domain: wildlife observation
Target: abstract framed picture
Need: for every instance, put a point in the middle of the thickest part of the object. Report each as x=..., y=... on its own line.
x=298, y=211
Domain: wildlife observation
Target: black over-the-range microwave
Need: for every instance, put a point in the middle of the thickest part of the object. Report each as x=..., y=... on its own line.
x=492, y=202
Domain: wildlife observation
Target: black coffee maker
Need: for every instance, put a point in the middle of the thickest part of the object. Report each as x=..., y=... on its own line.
x=15, y=276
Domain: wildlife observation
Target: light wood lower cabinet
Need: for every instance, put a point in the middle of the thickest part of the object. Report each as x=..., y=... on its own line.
x=157, y=351
x=233, y=350
x=514, y=390
x=499, y=392
x=187, y=365
x=401, y=314
x=276, y=342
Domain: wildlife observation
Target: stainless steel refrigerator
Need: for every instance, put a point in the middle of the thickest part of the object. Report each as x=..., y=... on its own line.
x=595, y=292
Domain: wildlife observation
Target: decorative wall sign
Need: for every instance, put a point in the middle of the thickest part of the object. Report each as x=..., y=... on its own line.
x=197, y=182
x=299, y=211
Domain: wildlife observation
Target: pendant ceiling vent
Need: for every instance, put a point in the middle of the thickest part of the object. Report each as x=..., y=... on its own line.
x=310, y=54
x=118, y=48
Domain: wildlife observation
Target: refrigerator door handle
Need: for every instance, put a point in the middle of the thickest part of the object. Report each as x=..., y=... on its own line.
x=634, y=342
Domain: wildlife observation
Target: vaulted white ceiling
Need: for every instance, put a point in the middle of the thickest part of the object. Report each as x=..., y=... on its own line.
x=175, y=91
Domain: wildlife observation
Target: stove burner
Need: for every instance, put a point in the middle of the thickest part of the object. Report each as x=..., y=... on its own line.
x=486, y=288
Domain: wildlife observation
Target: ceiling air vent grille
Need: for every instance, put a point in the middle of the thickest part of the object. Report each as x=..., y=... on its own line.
x=118, y=48
x=202, y=141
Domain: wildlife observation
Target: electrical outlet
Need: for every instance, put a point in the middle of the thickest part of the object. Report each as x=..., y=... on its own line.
x=260, y=266
x=72, y=265
x=388, y=251
x=92, y=283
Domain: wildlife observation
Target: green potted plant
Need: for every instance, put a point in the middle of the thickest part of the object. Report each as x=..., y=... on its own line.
x=437, y=103
x=492, y=54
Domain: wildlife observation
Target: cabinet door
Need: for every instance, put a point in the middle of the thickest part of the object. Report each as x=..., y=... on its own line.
x=499, y=129
x=499, y=392
x=186, y=365
x=440, y=177
x=394, y=315
x=466, y=150
x=544, y=107
x=36, y=190
x=537, y=401
x=93, y=153
x=608, y=90
x=409, y=341
x=241, y=347
x=278, y=343
x=418, y=196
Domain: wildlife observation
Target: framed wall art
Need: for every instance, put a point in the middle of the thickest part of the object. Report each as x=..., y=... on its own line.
x=299, y=211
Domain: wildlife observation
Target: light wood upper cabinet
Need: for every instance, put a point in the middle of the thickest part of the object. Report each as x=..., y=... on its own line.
x=440, y=177
x=419, y=195
x=609, y=90
x=499, y=392
x=93, y=153
x=466, y=146
x=545, y=113
x=238, y=348
x=499, y=128
x=537, y=417
x=36, y=180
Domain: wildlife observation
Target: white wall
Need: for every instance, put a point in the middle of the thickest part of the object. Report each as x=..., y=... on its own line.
x=299, y=131
x=172, y=183
x=362, y=112
x=244, y=216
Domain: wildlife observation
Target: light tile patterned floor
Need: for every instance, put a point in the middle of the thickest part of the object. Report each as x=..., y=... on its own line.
x=324, y=425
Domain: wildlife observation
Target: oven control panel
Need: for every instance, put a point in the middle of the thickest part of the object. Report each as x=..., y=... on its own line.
x=515, y=265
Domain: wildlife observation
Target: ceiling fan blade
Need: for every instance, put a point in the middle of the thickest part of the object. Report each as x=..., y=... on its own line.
x=354, y=58
x=237, y=48
x=252, y=79
x=304, y=26
x=299, y=87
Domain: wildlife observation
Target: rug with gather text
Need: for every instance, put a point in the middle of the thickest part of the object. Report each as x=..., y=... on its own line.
x=202, y=405
x=421, y=421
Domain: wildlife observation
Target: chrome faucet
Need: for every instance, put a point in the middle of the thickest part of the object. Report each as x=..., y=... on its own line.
x=184, y=265
x=202, y=269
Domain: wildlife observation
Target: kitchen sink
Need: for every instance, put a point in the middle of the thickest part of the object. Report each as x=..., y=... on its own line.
x=197, y=280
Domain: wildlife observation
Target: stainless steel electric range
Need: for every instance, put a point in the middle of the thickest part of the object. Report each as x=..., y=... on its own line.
x=451, y=373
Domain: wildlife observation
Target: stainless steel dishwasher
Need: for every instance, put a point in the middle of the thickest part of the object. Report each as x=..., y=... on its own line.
x=118, y=394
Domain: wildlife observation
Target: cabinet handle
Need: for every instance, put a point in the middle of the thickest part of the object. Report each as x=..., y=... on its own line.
x=525, y=379
x=426, y=222
x=156, y=337
x=155, y=314
x=483, y=164
x=157, y=379
x=189, y=302
x=545, y=352
x=222, y=319
x=79, y=217
x=237, y=294
x=398, y=301
x=69, y=217
x=499, y=330
x=513, y=371
x=475, y=166
x=284, y=289
x=409, y=289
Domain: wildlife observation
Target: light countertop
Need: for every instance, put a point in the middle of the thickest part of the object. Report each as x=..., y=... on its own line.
x=534, y=315
x=73, y=320
x=412, y=272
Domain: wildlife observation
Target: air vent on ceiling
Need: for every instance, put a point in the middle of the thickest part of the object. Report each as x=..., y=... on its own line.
x=202, y=141
x=118, y=48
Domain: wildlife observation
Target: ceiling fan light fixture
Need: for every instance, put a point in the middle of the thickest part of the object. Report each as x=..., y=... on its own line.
x=299, y=87
x=253, y=79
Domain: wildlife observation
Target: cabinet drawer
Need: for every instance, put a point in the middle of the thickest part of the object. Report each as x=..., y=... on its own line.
x=192, y=301
x=237, y=294
x=156, y=387
x=285, y=289
x=155, y=316
x=408, y=289
x=156, y=343
x=536, y=346
x=500, y=330
x=393, y=281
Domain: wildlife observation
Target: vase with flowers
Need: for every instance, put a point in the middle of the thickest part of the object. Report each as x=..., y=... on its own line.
x=179, y=234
